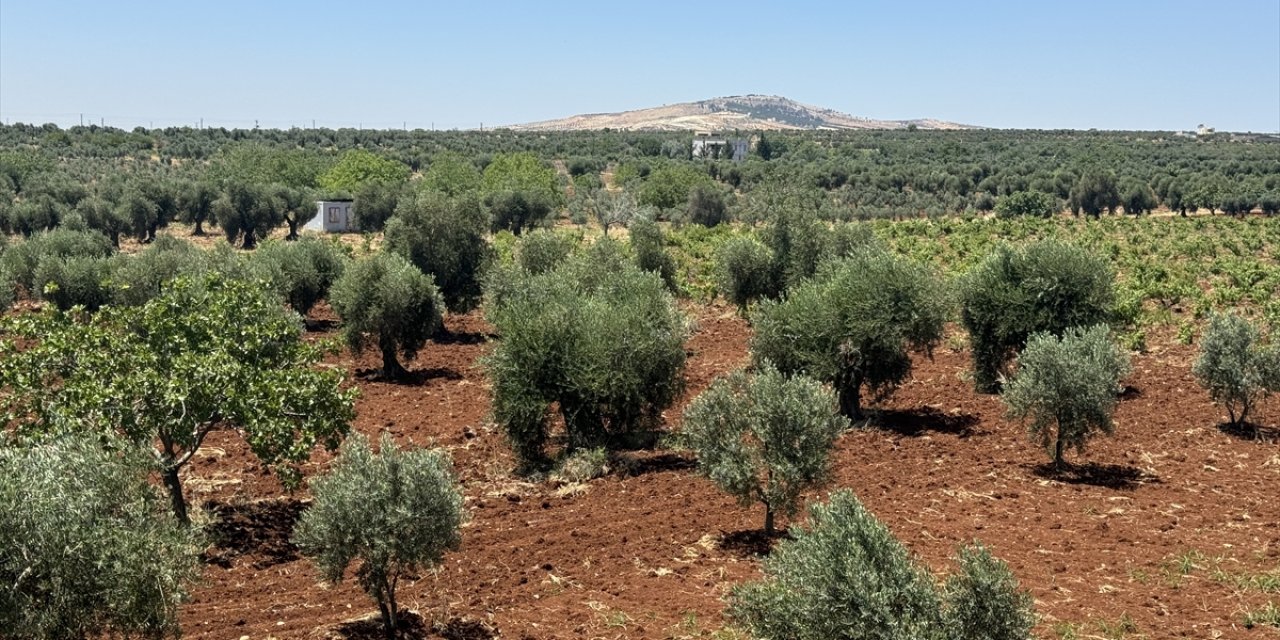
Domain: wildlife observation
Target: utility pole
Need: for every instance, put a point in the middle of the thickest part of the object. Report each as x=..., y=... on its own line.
x=82, y=119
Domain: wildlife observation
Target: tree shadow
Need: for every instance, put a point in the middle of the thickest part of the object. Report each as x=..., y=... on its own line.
x=320, y=325
x=461, y=629
x=641, y=463
x=1251, y=431
x=1110, y=476
x=414, y=378
x=260, y=530
x=750, y=543
x=445, y=336
x=916, y=422
x=1130, y=392
x=409, y=626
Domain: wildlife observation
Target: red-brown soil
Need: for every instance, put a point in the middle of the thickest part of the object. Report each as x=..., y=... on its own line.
x=1157, y=532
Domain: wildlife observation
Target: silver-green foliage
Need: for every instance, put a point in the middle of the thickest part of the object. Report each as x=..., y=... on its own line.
x=649, y=249
x=744, y=270
x=853, y=324
x=1236, y=365
x=394, y=512
x=1044, y=286
x=983, y=601
x=764, y=437
x=843, y=576
x=542, y=250
x=601, y=339
x=384, y=300
x=89, y=548
x=1067, y=387
x=301, y=271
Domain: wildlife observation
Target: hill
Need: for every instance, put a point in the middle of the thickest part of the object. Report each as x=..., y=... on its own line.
x=751, y=112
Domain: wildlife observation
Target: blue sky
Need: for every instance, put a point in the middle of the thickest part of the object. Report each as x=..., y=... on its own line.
x=1079, y=64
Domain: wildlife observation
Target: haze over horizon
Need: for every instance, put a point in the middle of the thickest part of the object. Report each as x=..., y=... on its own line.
x=1076, y=65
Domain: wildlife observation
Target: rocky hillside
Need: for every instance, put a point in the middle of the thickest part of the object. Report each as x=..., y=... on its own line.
x=752, y=112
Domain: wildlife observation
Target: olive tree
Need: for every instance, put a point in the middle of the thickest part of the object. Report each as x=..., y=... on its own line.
x=649, y=250
x=542, y=250
x=394, y=512
x=843, y=576
x=89, y=547
x=596, y=337
x=764, y=437
x=1236, y=365
x=744, y=271
x=247, y=212
x=1015, y=292
x=853, y=325
x=445, y=238
x=385, y=300
x=1067, y=387
x=163, y=375
x=302, y=272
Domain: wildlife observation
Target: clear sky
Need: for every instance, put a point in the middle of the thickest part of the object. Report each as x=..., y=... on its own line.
x=1119, y=64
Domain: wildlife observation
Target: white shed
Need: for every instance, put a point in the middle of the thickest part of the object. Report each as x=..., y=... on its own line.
x=333, y=216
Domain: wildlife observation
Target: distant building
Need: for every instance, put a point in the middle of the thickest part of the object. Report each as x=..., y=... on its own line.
x=706, y=145
x=1205, y=131
x=333, y=216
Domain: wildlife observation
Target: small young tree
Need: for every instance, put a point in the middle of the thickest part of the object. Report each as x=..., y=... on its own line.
x=542, y=250
x=853, y=324
x=1045, y=286
x=384, y=299
x=89, y=549
x=302, y=272
x=1067, y=387
x=843, y=576
x=764, y=438
x=614, y=209
x=395, y=512
x=647, y=246
x=165, y=374
x=744, y=271
x=445, y=238
x=1236, y=366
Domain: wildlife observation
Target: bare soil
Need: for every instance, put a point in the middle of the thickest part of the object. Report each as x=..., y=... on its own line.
x=1168, y=529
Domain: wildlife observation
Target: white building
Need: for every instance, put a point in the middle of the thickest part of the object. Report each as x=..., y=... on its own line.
x=333, y=216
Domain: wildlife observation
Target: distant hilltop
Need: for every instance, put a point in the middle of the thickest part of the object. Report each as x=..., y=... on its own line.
x=750, y=113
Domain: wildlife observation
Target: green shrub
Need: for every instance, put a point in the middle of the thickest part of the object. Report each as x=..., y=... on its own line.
x=542, y=250
x=1067, y=387
x=670, y=185
x=799, y=242
x=706, y=205
x=19, y=262
x=395, y=512
x=89, y=549
x=445, y=238
x=1236, y=365
x=385, y=300
x=843, y=576
x=853, y=324
x=598, y=337
x=76, y=280
x=1026, y=203
x=983, y=601
x=302, y=271
x=648, y=247
x=1045, y=286
x=744, y=271
x=764, y=438
x=375, y=203
x=141, y=277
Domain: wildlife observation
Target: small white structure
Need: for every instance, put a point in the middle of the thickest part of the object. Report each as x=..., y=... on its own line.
x=705, y=146
x=333, y=216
